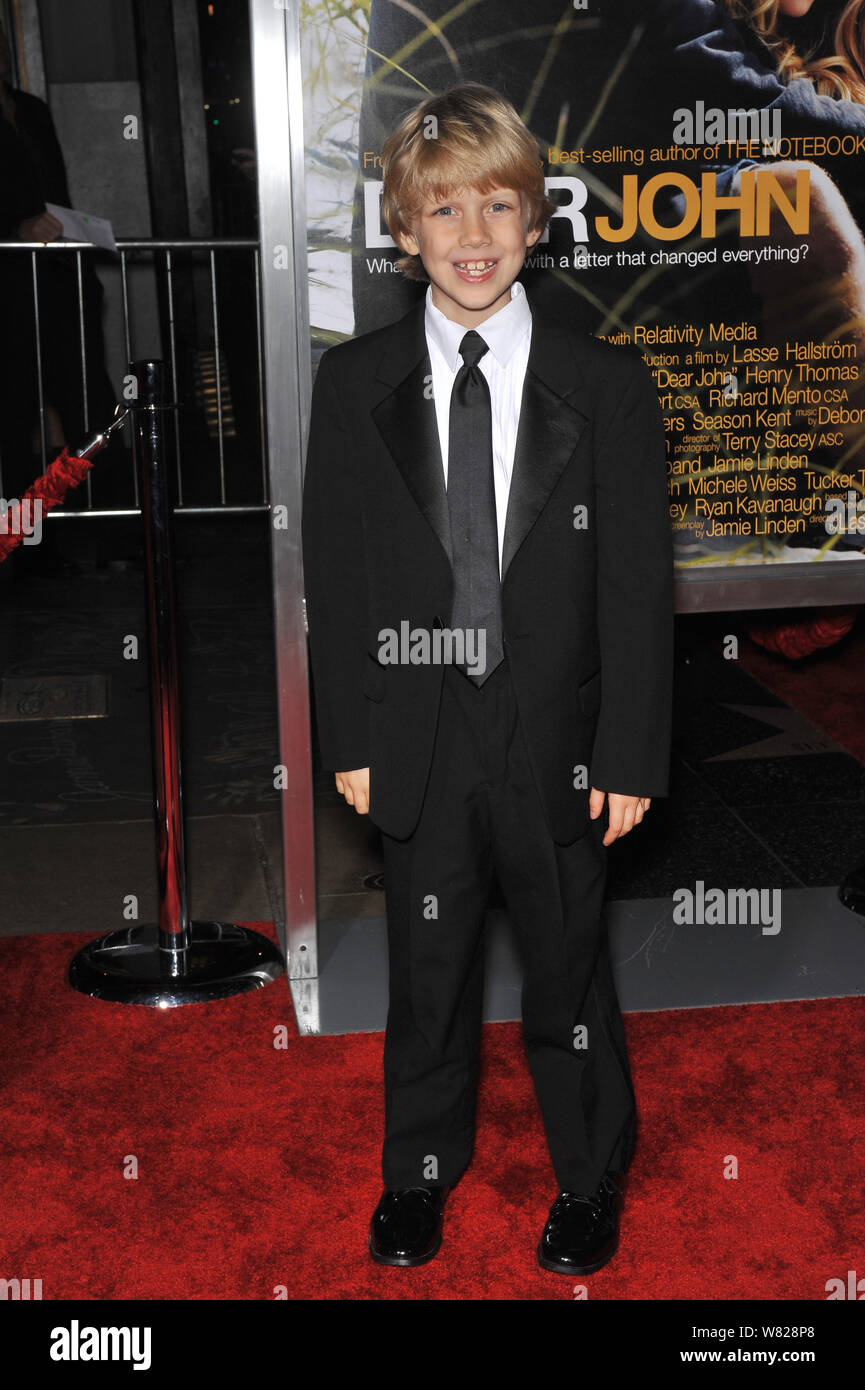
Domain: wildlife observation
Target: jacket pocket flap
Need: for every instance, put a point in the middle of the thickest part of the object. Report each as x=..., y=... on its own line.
x=373, y=681
x=590, y=694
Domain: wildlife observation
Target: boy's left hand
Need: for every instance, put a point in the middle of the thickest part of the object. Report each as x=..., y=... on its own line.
x=625, y=812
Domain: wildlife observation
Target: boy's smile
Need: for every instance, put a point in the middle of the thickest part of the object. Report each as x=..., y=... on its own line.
x=472, y=247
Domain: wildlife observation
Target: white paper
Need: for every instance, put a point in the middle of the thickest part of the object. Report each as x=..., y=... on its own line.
x=83, y=226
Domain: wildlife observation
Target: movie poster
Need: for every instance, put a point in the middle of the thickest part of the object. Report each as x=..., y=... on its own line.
x=707, y=160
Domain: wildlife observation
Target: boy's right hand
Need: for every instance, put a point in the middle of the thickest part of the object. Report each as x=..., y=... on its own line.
x=354, y=786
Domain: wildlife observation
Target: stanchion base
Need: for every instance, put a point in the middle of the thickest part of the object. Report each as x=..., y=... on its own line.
x=128, y=966
x=852, y=891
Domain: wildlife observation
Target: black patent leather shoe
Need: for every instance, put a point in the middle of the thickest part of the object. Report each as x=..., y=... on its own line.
x=582, y=1233
x=406, y=1227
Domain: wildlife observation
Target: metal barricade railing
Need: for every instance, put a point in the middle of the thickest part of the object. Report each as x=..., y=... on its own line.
x=168, y=261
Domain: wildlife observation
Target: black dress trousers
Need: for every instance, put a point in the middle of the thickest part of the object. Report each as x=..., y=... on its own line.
x=481, y=812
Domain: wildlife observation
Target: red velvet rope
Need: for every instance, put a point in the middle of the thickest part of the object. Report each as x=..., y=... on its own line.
x=798, y=637
x=61, y=476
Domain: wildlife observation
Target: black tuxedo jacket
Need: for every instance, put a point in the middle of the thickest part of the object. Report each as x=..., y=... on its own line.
x=587, y=570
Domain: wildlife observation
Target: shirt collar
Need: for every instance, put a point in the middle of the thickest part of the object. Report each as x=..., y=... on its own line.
x=502, y=332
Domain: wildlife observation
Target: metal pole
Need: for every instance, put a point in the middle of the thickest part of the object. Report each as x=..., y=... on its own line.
x=149, y=418
x=173, y=961
x=278, y=96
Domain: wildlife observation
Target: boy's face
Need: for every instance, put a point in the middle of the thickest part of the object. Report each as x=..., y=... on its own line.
x=472, y=248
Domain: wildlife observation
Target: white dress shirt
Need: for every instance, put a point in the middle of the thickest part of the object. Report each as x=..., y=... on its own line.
x=508, y=334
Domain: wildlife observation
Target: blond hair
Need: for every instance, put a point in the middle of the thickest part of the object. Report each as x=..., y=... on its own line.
x=467, y=137
x=839, y=74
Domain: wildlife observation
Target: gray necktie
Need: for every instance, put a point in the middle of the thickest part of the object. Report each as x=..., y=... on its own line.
x=472, y=506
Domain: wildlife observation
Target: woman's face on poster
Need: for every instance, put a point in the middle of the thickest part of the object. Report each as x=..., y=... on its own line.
x=795, y=8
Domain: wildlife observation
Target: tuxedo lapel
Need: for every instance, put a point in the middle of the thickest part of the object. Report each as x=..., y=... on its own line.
x=549, y=430
x=406, y=420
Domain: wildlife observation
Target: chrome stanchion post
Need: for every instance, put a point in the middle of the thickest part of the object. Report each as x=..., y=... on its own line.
x=173, y=961
x=149, y=417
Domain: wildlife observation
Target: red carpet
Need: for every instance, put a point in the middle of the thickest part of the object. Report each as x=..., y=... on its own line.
x=259, y=1167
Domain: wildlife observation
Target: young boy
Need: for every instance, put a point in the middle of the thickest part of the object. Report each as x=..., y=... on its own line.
x=488, y=569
